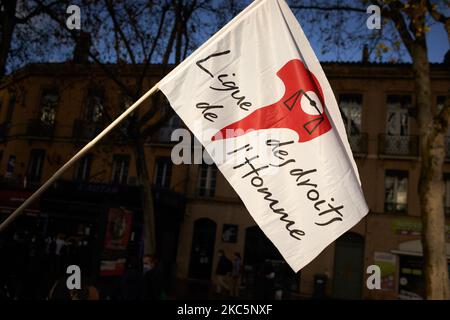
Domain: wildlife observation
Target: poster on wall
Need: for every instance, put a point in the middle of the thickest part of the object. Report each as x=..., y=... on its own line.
x=388, y=265
x=229, y=233
x=117, y=237
x=118, y=229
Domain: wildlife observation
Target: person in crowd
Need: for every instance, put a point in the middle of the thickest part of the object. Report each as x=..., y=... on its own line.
x=60, y=292
x=268, y=274
x=152, y=278
x=59, y=253
x=132, y=280
x=223, y=270
x=236, y=275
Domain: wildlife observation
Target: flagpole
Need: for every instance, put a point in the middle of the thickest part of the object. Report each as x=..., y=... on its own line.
x=77, y=156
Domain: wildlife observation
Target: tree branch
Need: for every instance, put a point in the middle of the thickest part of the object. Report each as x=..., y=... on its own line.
x=112, y=13
x=37, y=10
x=331, y=8
x=160, y=122
x=393, y=12
x=152, y=49
x=439, y=17
x=74, y=35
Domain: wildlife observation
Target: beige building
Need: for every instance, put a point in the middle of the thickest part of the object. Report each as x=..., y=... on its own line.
x=377, y=103
x=47, y=112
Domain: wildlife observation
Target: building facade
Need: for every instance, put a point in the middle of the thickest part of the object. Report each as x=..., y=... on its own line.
x=47, y=112
x=378, y=109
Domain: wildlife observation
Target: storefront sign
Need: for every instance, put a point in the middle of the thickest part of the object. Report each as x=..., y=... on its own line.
x=387, y=263
x=410, y=227
x=118, y=229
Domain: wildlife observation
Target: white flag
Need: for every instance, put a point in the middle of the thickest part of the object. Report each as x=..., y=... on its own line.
x=257, y=98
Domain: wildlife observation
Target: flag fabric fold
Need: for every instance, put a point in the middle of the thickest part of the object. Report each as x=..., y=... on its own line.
x=258, y=100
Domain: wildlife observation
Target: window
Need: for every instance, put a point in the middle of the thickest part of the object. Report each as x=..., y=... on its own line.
x=49, y=102
x=398, y=107
x=396, y=191
x=163, y=172
x=124, y=103
x=83, y=169
x=351, y=106
x=165, y=132
x=95, y=109
x=121, y=164
x=398, y=140
x=440, y=102
x=207, y=180
x=35, y=164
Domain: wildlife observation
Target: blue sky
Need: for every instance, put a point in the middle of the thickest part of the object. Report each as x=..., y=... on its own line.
x=437, y=43
x=351, y=50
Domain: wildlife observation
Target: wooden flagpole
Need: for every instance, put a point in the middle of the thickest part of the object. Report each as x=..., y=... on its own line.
x=76, y=157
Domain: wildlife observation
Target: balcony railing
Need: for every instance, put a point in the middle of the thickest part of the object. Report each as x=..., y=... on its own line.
x=403, y=146
x=358, y=143
x=84, y=130
x=40, y=129
x=163, y=134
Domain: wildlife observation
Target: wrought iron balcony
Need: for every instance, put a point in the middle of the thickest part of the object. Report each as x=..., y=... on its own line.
x=392, y=207
x=39, y=129
x=402, y=146
x=358, y=143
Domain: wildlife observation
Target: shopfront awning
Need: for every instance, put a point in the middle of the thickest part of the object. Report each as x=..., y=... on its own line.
x=414, y=248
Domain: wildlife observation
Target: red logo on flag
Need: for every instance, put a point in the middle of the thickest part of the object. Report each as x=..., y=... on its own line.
x=302, y=108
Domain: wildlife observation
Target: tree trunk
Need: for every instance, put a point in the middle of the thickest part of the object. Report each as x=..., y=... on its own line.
x=148, y=212
x=431, y=186
x=7, y=24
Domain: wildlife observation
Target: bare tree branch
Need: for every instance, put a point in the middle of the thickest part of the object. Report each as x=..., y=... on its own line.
x=328, y=8
x=119, y=30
